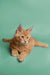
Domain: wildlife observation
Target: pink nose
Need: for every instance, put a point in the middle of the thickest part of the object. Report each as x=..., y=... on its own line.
x=25, y=41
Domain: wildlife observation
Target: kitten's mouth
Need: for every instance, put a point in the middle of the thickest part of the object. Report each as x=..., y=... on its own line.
x=24, y=42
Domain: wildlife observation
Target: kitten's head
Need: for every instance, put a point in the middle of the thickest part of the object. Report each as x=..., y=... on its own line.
x=23, y=35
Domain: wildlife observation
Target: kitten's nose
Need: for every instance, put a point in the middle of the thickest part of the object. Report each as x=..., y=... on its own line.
x=25, y=41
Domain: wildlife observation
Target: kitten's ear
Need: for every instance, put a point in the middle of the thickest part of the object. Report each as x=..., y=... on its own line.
x=30, y=29
x=19, y=29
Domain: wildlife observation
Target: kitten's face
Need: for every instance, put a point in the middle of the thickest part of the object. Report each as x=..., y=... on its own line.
x=23, y=35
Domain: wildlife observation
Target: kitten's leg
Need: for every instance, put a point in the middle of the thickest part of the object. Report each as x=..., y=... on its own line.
x=14, y=52
x=37, y=43
x=22, y=56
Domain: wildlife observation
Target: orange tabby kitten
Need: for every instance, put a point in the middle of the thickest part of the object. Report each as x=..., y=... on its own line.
x=23, y=42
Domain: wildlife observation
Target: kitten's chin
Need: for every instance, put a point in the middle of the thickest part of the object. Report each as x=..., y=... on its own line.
x=24, y=43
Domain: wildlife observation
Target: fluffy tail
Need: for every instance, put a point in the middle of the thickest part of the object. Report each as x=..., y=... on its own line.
x=7, y=40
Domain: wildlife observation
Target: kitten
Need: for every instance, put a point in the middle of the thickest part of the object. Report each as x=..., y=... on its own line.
x=22, y=43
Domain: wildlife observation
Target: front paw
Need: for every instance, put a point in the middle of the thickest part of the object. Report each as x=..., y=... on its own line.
x=14, y=53
x=21, y=58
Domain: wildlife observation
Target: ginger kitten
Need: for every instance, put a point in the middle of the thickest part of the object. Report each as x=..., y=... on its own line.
x=22, y=43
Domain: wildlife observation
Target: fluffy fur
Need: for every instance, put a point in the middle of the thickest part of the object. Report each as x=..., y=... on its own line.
x=22, y=43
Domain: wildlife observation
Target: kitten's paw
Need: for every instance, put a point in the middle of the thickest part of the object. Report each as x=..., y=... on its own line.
x=46, y=45
x=21, y=58
x=14, y=53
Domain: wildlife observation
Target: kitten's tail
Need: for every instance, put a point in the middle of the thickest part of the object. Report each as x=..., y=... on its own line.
x=7, y=40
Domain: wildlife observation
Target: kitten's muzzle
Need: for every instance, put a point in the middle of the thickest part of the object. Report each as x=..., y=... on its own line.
x=24, y=42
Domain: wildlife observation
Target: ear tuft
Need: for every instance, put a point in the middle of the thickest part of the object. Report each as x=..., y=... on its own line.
x=29, y=30
x=19, y=29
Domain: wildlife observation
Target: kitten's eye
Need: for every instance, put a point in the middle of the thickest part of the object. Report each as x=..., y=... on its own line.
x=27, y=37
x=22, y=36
